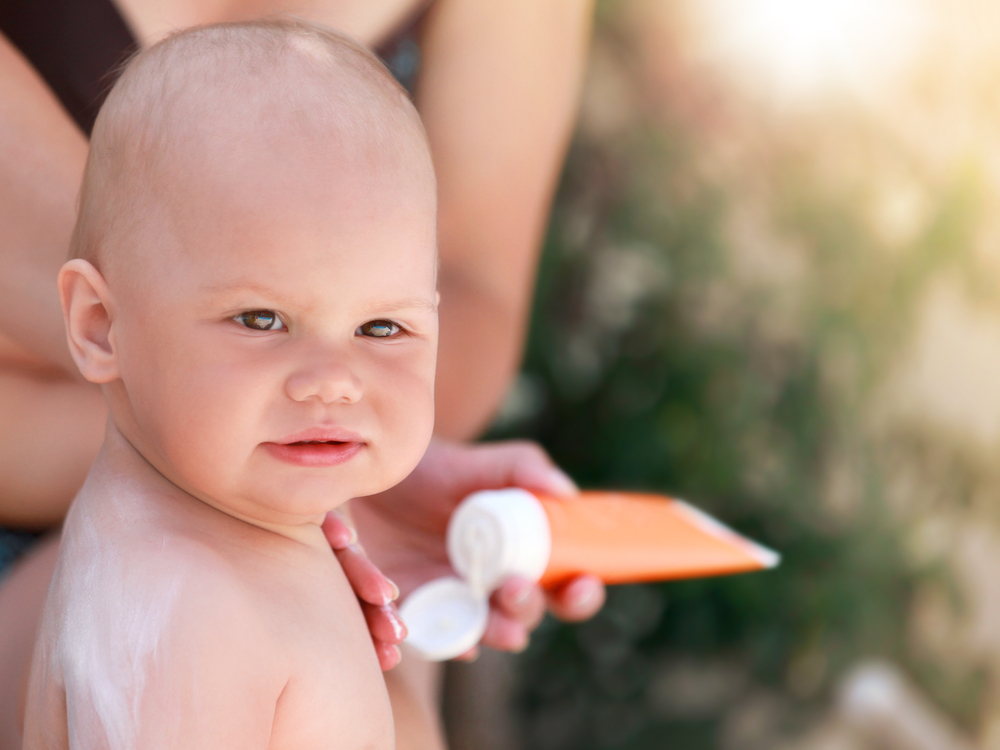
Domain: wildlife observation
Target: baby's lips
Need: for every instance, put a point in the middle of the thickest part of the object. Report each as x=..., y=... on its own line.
x=322, y=434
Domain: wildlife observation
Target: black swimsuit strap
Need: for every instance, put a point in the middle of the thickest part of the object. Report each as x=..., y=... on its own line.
x=400, y=50
x=75, y=45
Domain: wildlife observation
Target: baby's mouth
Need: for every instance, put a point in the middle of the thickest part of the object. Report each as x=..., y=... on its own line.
x=315, y=453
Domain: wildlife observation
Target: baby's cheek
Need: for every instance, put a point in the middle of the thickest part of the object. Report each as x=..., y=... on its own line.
x=201, y=426
x=409, y=423
x=192, y=441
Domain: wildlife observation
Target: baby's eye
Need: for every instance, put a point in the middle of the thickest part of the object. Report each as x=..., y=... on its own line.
x=379, y=329
x=260, y=320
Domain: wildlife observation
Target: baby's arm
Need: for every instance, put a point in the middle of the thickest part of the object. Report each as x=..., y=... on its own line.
x=215, y=684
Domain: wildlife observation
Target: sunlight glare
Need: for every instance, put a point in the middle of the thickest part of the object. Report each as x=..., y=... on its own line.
x=805, y=46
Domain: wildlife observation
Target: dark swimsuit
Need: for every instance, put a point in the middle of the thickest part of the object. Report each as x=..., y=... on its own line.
x=77, y=46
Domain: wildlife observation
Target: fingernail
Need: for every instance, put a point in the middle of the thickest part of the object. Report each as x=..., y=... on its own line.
x=399, y=629
x=560, y=483
x=522, y=647
x=352, y=536
x=521, y=593
x=395, y=589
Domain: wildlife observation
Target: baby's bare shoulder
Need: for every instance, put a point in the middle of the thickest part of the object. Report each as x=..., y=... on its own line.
x=302, y=623
x=171, y=600
x=268, y=630
x=165, y=639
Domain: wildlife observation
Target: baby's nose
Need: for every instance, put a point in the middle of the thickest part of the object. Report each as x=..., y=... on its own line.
x=328, y=383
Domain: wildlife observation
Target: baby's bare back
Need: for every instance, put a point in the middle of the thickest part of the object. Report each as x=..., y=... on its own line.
x=174, y=625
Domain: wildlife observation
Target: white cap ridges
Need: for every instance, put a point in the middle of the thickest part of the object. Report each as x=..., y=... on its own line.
x=492, y=535
x=445, y=618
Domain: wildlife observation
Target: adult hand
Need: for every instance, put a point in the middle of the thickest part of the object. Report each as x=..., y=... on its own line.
x=375, y=592
x=404, y=531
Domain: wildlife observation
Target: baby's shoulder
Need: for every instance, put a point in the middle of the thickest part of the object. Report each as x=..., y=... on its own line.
x=159, y=636
x=169, y=598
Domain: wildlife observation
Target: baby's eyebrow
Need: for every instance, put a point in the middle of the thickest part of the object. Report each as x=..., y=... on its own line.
x=242, y=286
x=387, y=306
x=410, y=303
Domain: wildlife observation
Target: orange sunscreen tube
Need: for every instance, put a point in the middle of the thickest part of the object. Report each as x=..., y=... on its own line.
x=619, y=537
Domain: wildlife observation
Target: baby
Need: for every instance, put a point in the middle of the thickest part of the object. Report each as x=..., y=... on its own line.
x=253, y=285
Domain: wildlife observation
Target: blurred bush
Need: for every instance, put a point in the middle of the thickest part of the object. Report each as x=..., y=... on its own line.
x=725, y=291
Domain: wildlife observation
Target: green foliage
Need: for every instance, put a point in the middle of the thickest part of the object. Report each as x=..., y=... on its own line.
x=652, y=370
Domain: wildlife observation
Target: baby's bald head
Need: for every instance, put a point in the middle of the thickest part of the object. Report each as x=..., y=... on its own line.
x=219, y=103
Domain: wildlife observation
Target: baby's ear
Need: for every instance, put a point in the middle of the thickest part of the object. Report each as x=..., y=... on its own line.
x=86, y=305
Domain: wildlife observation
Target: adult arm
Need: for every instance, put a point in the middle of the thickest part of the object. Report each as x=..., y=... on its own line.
x=497, y=92
x=52, y=421
x=42, y=154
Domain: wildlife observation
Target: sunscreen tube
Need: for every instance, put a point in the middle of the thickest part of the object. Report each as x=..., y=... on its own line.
x=619, y=537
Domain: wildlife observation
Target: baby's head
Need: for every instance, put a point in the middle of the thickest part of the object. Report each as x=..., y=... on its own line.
x=254, y=268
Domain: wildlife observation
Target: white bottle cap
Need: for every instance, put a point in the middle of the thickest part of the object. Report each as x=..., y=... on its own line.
x=445, y=618
x=495, y=534
x=491, y=535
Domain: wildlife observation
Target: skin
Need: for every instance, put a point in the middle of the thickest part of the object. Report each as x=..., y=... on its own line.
x=270, y=306
x=211, y=636
x=52, y=422
x=405, y=538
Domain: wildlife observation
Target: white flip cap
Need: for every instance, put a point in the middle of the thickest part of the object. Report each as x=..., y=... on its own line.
x=491, y=535
x=495, y=534
x=445, y=618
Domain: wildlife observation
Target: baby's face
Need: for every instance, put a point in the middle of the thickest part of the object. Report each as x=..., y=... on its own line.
x=277, y=332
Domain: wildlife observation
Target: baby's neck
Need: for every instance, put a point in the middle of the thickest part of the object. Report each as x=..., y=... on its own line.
x=125, y=483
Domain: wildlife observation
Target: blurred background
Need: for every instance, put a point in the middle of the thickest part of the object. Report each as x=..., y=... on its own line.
x=770, y=287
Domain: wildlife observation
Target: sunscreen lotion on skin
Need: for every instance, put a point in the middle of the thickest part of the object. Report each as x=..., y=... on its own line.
x=619, y=537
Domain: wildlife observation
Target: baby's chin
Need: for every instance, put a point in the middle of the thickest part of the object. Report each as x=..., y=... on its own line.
x=308, y=498
x=295, y=492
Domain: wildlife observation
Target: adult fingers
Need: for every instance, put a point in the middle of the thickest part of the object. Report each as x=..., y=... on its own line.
x=527, y=465
x=520, y=600
x=368, y=582
x=388, y=654
x=338, y=534
x=471, y=655
x=580, y=599
x=504, y=633
x=384, y=622
x=512, y=463
x=515, y=614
